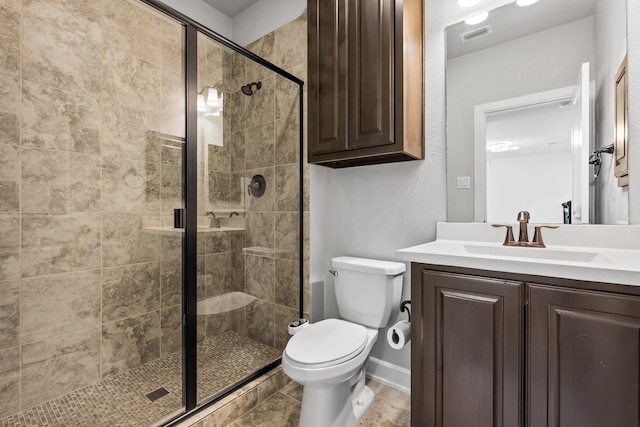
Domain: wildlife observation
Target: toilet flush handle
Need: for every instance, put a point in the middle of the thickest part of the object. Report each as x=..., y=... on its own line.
x=334, y=273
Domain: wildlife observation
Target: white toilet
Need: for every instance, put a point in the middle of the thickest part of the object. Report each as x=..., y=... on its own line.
x=329, y=357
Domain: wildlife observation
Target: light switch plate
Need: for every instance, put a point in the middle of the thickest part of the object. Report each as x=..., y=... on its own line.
x=464, y=182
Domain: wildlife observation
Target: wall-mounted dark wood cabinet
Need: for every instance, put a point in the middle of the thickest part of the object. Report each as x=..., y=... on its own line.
x=366, y=96
x=496, y=349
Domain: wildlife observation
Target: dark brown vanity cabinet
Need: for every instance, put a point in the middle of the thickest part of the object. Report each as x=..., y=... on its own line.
x=365, y=81
x=584, y=358
x=509, y=351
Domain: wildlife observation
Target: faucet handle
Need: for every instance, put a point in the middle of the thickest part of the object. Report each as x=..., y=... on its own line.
x=508, y=238
x=537, y=235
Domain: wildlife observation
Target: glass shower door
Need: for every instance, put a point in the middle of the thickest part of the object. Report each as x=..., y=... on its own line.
x=248, y=184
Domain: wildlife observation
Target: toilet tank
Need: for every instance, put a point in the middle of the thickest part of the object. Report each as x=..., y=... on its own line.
x=367, y=290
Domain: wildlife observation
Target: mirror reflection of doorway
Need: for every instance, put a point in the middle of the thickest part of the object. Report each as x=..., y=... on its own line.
x=528, y=155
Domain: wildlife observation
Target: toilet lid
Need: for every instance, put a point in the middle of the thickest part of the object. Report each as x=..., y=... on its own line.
x=330, y=340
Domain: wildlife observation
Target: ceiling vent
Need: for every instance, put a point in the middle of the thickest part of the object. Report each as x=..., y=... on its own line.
x=475, y=33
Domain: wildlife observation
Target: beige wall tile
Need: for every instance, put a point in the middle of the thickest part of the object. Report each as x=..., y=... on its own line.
x=59, y=304
x=260, y=229
x=278, y=410
x=130, y=290
x=171, y=330
x=260, y=107
x=265, y=48
x=129, y=343
x=125, y=242
x=287, y=98
x=232, y=410
x=9, y=246
x=238, y=272
x=213, y=64
x=171, y=188
x=60, y=120
x=219, y=189
x=60, y=243
x=130, y=81
x=59, y=58
x=287, y=283
x=10, y=106
x=130, y=186
x=260, y=146
x=80, y=16
x=10, y=41
x=217, y=242
x=12, y=4
x=260, y=322
x=172, y=104
x=128, y=133
x=171, y=247
x=44, y=179
x=236, y=144
x=220, y=156
x=287, y=188
x=234, y=111
x=57, y=181
x=218, y=274
x=283, y=316
x=172, y=40
x=122, y=23
x=171, y=283
x=9, y=381
x=9, y=178
x=64, y=363
x=289, y=43
x=260, y=277
x=9, y=314
x=286, y=232
x=287, y=140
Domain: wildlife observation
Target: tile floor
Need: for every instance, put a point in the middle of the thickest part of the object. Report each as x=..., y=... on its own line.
x=121, y=401
x=275, y=406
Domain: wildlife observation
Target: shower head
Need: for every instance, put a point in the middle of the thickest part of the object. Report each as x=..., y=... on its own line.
x=248, y=88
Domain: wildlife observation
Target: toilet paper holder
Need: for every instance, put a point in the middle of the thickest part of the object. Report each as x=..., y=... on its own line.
x=403, y=308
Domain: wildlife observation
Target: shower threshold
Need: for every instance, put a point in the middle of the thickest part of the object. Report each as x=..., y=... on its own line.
x=122, y=400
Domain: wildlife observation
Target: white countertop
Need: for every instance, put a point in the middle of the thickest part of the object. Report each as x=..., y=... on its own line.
x=601, y=253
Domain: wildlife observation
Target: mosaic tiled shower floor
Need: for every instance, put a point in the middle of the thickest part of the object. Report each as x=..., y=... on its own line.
x=121, y=400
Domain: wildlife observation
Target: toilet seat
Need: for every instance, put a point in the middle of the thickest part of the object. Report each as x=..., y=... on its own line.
x=326, y=343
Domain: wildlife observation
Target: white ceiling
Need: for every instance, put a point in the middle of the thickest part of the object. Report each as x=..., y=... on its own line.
x=510, y=22
x=535, y=129
x=231, y=7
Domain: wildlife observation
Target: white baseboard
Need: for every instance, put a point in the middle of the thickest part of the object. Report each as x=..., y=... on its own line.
x=389, y=374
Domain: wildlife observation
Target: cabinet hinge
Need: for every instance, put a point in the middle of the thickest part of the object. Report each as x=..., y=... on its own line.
x=526, y=302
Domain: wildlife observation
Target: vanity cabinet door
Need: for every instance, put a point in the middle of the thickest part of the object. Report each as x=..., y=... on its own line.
x=584, y=358
x=467, y=350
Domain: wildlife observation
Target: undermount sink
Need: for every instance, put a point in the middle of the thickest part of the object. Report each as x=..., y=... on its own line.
x=536, y=253
x=598, y=253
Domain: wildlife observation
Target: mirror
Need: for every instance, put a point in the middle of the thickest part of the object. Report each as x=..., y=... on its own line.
x=530, y=96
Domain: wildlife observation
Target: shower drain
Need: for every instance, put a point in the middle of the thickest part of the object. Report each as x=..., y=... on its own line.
x=157, y=394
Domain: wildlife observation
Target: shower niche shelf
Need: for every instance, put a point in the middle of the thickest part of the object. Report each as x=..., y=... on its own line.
x=366, y=96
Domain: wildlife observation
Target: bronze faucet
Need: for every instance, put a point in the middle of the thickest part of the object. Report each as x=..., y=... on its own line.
x=523, y=236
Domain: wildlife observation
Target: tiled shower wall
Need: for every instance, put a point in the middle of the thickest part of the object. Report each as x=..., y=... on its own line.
x=271, y=136
x=261, y=136
x=85, y=292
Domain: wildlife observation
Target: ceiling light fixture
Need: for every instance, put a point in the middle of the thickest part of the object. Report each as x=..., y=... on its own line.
x=501, y=146
x=523, y=3
x=476, y=19
x=467, y=3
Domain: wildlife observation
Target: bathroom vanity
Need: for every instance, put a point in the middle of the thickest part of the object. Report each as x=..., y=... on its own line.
x=509, y=336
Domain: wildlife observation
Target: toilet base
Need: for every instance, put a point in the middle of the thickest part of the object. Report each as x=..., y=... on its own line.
x=335, y=405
